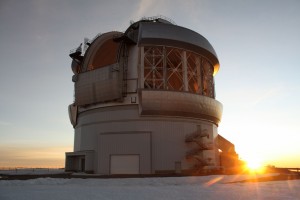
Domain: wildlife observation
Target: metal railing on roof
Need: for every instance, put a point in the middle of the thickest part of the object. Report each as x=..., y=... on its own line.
x=77, y=49
x=153, y=18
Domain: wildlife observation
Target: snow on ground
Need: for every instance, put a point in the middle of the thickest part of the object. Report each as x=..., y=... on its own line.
x=175, y=188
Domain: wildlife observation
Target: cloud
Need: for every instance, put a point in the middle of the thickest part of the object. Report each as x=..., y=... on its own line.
x=144, y=7
x=148, y=8
x=271, y=93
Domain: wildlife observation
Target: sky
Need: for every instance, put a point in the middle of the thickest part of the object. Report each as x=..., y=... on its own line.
x=257, y=43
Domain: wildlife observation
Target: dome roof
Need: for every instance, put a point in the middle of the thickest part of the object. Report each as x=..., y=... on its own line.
x=160, y=32
x=102, y=52
x=148, y=32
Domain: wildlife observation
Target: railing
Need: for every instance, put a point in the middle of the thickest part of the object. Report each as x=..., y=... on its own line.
x=205, y=146
x=297, y=170
x=193, y=152
x=194, y=136
x=77, y=49
x=23, y=170
x=159, y=17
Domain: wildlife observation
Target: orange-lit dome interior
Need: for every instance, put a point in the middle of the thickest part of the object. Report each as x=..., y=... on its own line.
x=105, y=55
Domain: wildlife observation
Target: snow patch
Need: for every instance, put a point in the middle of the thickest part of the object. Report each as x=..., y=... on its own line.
x=175, y=188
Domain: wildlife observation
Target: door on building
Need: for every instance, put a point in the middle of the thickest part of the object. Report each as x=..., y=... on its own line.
x=82, y=164
x=124, y=164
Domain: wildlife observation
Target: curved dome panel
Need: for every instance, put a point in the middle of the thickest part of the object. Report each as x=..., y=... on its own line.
x=102, y=52
x=179, y=104
x=176, y=36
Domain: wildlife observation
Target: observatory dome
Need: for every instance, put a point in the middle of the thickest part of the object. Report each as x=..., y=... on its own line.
x=144, y=101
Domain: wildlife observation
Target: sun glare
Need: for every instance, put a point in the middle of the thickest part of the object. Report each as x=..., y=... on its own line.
x=254, y=164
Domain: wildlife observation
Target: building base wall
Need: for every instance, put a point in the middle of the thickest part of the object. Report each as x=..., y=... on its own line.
x=159, y=142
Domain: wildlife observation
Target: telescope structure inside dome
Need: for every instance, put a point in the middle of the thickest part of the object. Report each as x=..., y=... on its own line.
x=144, y=103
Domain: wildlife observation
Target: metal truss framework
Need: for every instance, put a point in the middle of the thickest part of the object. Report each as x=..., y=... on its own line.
x=169, y=68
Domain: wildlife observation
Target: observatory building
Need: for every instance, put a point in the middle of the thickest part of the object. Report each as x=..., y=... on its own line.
x=144, y=102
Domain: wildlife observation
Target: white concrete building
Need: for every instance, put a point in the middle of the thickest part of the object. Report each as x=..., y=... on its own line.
x=145, y=101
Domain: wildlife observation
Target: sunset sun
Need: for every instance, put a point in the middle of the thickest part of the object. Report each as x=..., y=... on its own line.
x=253, y=164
